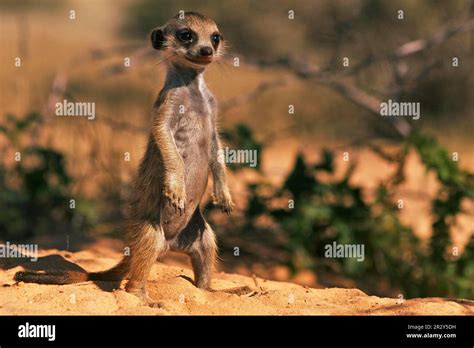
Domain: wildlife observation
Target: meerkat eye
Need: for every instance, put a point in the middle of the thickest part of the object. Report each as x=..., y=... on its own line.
x=185, y=36
x=216, y=38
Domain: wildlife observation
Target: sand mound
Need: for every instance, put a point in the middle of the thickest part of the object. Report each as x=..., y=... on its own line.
x=173, y=288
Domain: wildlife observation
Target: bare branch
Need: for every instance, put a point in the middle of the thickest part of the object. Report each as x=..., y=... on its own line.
x=359, y=97
x=416, y=46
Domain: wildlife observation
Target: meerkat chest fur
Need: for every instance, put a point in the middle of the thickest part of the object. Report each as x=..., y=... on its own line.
x=192, y=121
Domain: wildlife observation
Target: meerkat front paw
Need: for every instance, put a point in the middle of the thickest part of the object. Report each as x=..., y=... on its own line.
x=175, y=192
x=223, y=200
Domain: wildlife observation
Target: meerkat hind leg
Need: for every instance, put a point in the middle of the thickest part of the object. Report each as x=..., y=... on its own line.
x=146, y=243
x=197, y=240
x=203, y=257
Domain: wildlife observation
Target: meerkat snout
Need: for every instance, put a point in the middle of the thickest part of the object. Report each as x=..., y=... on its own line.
x=191, y=40
x=206, y=51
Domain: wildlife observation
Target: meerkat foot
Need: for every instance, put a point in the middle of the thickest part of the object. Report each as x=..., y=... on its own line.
x=202, y=278
x=206, y=287
x=139, y=290
x=145, y=299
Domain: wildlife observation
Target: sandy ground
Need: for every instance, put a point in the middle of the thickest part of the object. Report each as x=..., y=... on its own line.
x=172, y=287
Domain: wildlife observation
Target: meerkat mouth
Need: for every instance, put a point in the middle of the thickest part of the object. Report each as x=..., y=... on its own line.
x=199, y=61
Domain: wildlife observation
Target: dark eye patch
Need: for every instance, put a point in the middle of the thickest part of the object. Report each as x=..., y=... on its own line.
x=186, y=36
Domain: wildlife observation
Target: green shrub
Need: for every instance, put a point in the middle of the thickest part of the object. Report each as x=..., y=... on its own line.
x=320, y=212
x=35, y=191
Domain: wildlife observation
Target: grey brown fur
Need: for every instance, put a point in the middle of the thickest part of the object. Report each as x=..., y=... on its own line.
x=172, y=177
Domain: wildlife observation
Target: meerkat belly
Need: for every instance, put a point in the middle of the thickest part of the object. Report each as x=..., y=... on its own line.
x=192, y=139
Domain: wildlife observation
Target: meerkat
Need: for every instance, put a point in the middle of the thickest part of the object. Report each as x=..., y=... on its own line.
x=172, y=177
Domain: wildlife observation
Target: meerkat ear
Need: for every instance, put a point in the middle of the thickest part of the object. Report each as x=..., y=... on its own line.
x=158, y=38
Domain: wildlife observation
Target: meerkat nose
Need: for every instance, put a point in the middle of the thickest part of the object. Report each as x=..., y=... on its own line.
x=205, y=51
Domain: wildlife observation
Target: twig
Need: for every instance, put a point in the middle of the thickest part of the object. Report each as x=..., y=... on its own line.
x=441, y=36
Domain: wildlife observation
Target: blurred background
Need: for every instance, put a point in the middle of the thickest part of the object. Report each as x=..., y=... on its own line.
x=305, y=93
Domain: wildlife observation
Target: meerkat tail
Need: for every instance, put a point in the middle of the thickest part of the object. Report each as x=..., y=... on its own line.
x=116, y=273
x=59, y=278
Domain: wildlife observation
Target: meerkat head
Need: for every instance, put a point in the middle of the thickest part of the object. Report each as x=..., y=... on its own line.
x=189, y=40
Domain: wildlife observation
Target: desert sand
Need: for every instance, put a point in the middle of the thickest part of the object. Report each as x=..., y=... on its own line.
x=172, y=287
